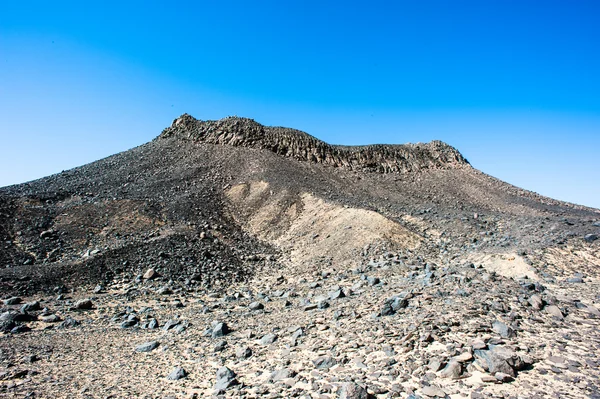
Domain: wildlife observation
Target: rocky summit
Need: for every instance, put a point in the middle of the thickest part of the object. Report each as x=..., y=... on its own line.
x=228, y=259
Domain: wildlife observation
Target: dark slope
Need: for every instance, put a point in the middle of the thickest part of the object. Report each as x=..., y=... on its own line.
x=162, y=205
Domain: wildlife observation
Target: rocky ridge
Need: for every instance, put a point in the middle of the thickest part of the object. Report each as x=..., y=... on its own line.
x=292, y=143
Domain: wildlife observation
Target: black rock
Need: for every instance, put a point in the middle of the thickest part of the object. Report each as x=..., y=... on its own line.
x=219, y=329
x=84, y=304
x=30, y=307
x=243, y=352
x=504, y=330
x=177, y=374
x=256, y=306
x=324, y=362
x=590, y=237
x=373, y=280
x=225, y=379
x=499, y=359
x=268, y=339
x=20, y=329
x=153, y=324
x=12, y=301
x=336, y=294
x=50, y=318
x=164, y=291
x=128, y=323
x=7, y=325
x=282, y=374
x=147, y=347
x=220, y=346
x=68, y=323
x=351, y=390
x=171, y=324
x=13, y=316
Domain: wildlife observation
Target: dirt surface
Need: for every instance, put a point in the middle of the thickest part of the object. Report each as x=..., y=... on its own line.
x=380, y=271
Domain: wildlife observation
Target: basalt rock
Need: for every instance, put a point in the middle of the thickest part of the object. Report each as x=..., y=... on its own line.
x=244, y=132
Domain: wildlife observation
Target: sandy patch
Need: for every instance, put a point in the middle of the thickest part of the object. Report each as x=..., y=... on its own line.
x=508, y=265
x=311, y=228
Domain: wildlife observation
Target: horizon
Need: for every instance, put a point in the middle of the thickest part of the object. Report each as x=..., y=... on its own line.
x=512, y=86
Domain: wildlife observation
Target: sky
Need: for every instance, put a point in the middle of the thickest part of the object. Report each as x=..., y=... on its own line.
x=514, y=85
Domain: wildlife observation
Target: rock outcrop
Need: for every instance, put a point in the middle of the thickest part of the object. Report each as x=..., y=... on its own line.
x=244, y=132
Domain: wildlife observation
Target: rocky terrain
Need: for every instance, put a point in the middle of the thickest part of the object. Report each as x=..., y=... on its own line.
x=229, y=259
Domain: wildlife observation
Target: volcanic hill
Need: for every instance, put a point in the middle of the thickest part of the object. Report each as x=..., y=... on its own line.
x=260, y=261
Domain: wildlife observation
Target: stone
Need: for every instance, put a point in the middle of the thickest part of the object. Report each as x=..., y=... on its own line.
x=282, y=374
x=464, y=357
x=20, y=329
x=256, y=306
x=164, y=291
x=129, y=323
x=351, y=390
x=84, y=304
x=324, y=362
x=502, y=377
x=69, y=322
x=220, y=346
x=500, y=359
x=171, y=323
x=219, y=329
x=478, y=344
x=558, y=361
x=225, y=379
x=50, y=318
x=147, y=346
x=503, y=330
x=452, y=370
x=536, y=302
x=296, y=335
x=12, y=301
x=177, y=374
x=181, y=327
x=13, y=316
x=555, y=311
x=153, y=324
x=243, y=352
x=393, y=305
x=47, y=234
x=337, y=294
x=590, y=237
x=150, y=274
x=323, y=305
x=575, y=280
x=178, y=304
x=386, y=309
x=268, y=339
x=433, y=392
x=30, y=307
x=373, y=280
x=435, y=364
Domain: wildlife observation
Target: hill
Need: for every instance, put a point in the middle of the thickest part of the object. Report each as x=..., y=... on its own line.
x=398, y=268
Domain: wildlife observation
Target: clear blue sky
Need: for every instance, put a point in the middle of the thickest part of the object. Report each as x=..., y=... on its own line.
x=514, y=85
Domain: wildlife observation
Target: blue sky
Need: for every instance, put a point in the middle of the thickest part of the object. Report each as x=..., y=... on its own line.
x=514, y=85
